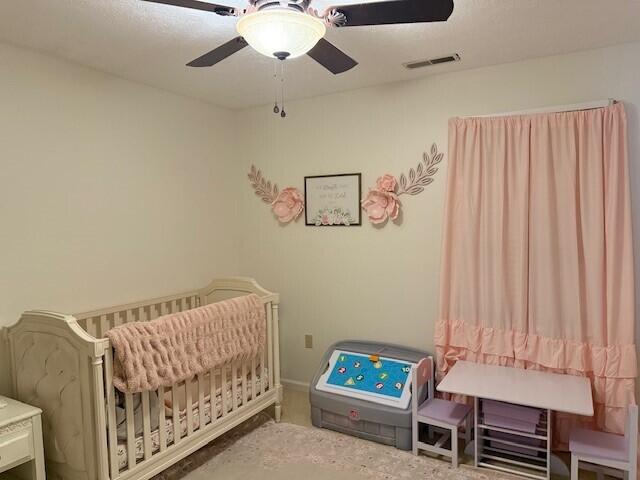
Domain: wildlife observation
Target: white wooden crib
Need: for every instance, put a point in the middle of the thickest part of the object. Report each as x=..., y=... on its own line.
x=63, y=364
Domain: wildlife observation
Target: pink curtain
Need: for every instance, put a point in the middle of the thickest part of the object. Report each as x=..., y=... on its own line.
x=537, y=267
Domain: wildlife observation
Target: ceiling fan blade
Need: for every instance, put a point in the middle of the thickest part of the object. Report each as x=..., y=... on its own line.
x=198, y=5
x=394, y=12
x=218, y=54
x=331, y=57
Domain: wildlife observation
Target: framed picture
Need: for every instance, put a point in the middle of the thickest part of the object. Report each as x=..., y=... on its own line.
x=333, y=200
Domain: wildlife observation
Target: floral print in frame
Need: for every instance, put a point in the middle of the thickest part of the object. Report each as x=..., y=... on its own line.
x=333, y=200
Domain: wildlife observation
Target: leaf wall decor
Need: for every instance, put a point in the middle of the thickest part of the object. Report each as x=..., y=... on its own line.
x=421, y=176
x=263, y=188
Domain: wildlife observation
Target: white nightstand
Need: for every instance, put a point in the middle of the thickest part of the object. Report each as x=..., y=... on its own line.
x=21, y=440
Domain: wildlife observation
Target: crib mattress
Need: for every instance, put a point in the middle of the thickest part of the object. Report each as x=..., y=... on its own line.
x=155, y=434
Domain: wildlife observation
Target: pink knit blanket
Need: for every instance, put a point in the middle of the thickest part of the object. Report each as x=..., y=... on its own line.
x=175, y=347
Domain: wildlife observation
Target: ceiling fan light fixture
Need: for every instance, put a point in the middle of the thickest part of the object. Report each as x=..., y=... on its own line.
x=275, y=31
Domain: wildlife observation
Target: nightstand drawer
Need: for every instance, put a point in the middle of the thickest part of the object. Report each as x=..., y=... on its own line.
x=15, y=446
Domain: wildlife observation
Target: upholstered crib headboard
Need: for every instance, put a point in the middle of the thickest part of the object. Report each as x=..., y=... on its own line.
x=51, y=364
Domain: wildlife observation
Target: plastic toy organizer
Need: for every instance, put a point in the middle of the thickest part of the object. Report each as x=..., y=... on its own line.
x=513, y=439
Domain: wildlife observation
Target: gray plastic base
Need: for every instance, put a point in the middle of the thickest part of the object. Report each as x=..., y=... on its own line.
x=371, y=421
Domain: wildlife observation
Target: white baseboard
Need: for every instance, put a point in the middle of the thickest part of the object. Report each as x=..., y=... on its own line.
x=295, y=385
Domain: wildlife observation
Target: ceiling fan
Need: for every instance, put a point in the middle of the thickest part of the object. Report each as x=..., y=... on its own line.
x=285, y=29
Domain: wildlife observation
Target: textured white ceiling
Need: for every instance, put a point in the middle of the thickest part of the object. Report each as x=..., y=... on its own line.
x=151, y=43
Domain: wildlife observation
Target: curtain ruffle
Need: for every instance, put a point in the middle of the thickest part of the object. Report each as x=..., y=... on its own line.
x=612, y=369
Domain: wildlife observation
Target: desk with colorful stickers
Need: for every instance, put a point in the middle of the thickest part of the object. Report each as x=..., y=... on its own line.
x=368, y=377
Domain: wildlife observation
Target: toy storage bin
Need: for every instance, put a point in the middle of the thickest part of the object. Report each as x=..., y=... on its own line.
x=353, y=416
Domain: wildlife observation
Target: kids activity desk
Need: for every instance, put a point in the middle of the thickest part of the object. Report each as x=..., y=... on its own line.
x=512, y=410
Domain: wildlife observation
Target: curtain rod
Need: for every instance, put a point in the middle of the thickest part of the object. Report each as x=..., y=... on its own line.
x=556, y=109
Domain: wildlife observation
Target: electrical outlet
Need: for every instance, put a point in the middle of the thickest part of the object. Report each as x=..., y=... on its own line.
x=308, y=341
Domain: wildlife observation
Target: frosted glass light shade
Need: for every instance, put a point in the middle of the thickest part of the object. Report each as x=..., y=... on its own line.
x=279, y=30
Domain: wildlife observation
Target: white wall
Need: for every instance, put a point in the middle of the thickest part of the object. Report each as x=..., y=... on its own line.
x=383, y=284
x=110, y=191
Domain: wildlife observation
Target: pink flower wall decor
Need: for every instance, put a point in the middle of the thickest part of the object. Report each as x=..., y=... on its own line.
x=381, y=205
x=382, y=202
x=386, y=183
x=288, y=206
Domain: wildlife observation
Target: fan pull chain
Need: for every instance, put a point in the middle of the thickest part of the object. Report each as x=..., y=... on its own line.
x=276, y=109
x=283, y=113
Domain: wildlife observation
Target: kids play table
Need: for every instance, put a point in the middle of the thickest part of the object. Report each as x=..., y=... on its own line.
x=510, y=446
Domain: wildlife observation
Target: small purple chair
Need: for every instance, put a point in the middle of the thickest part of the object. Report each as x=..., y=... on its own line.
x=435, y=412
x=606, y=449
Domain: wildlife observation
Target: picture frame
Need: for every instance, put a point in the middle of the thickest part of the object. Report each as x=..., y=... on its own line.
x=333, y=200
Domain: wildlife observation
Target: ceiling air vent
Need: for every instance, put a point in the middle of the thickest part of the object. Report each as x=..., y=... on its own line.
x=433, y=61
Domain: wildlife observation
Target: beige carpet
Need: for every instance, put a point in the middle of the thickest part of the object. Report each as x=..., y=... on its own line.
x=263, y=450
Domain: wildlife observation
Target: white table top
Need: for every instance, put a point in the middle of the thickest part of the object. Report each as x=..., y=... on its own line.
x=560, y=393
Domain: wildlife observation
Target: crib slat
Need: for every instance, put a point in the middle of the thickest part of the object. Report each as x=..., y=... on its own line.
x=131, y=433
x=234, y=385
x=270, y=340
x=212, y=395
x=91, y=326
x=223, y=389
x=262, y=372
x=189, y=406
x=103, y=326
x=112, y=428
x=201, y=400
x=244, y=383
x=175, y=414
x=253, y=378
x=162, y=429
x=146, y=425
x=117, y=319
